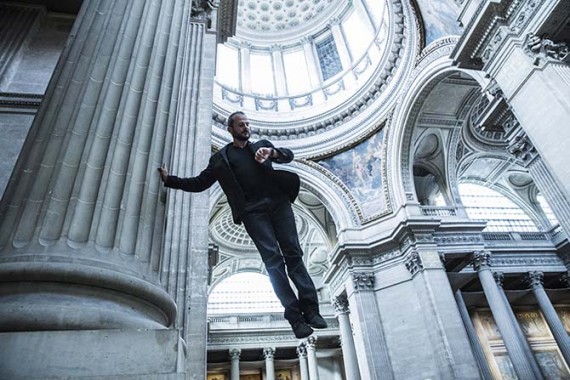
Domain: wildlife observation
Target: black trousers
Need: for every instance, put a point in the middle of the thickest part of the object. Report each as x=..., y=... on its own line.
x=271, y=225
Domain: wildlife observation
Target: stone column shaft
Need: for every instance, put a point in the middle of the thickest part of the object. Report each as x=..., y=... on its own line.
x=502, y=316
x=473, y=339
x=269, y=353
x=234, y=357
x=245, y=68
x=554, y=322
x=279, y=71
x=499, y=277
x=86, y=207
x=312, y=62
x=349, y=355
x=312, y=358
x=341, y=45
x=303, y=366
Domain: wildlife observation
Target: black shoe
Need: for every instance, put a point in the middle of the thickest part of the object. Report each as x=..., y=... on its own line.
x=301, y=329
x=316, y=320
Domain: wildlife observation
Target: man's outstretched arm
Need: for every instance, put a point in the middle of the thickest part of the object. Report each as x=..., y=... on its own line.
x=192, y=184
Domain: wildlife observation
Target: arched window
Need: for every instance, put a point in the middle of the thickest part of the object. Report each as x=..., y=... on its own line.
x=244, y=293
x=501, y=214
x=547, y=210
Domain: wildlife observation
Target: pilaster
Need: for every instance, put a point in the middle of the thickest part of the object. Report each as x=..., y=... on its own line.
x=374, y=359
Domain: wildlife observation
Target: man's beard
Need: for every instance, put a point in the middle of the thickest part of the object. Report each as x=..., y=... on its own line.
x=241, y=137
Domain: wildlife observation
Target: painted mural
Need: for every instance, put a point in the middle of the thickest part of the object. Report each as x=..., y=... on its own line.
x=440, y=18
x=360, y=169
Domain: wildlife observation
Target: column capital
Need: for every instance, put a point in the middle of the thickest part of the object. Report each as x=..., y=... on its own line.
x=522, y=148
x=275, y=48
x=245, y=45
x=340, y=304
x=307, y=40
x=535, y=279
x=481, y=260
x=302, y=350
x=268, y=352
x=363, y=281
x=414, y=263
x=311, y=341
x=234, y=353
x=499, y=278
x=201, y=10
x=335, y=21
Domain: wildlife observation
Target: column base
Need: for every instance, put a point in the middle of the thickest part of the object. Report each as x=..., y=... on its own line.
x=97, y=354
x=65, y=296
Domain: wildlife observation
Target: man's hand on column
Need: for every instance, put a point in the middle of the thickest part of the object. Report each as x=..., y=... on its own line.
x=163, y=172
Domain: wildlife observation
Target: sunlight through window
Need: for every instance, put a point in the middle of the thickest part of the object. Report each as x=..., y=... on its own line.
x=244, y=293
x=501, y=214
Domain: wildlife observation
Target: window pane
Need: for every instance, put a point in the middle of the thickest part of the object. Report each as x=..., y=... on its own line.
x=547, y=210
x=376, y=8
x=358, y=34
x=262, y=74
x=328, y=58
x=501, y=214
x=296, y=72
x=244, y=293
x=227, y=67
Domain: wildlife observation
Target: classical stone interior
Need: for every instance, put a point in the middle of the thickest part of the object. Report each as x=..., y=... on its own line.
x=431, y=142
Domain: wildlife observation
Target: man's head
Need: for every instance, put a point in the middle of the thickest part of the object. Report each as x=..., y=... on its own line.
x=238, y=126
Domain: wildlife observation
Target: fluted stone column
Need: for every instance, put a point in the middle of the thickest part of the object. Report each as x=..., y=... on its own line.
x=312, y=357
x=535, y=279
x=347, y=340
x=269, y=354
x=473, y=339
x=502, y=315
x=302, y=354
x=87, y=241
x=69, y=188
x=499, y=279
x=234, y=357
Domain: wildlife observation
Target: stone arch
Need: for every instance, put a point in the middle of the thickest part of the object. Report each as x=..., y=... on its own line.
x=433, y=80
